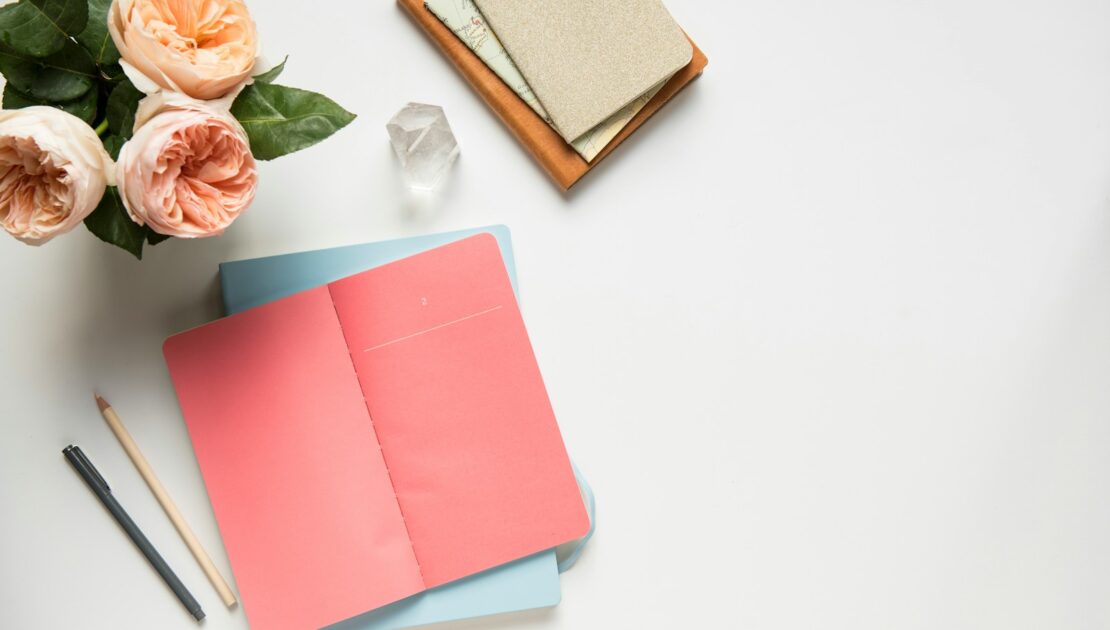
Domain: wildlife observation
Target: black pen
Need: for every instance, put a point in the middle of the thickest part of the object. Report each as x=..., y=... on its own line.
x=96, y=483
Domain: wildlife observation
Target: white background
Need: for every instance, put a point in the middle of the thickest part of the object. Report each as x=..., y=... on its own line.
x=830, y=335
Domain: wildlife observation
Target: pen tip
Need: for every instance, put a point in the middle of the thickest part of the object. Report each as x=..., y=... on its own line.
x=100, y=402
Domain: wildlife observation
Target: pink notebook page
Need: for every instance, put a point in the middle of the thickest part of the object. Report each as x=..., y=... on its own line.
x=327, y=513
x=460, y=409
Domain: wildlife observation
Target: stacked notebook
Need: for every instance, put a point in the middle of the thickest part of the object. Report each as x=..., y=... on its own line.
x=379, y=449
x=571, y=79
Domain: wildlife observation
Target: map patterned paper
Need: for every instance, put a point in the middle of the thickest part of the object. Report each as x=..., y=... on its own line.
x=466, y=22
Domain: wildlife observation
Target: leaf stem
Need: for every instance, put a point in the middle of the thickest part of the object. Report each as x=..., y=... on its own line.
x=101, y=128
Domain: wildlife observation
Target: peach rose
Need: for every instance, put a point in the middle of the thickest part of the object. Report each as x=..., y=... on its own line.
x=203, y=48
x=53, y=172
x=188, y=170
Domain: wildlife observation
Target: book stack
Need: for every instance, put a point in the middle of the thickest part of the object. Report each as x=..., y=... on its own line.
x=571, y=79
x=375, y=436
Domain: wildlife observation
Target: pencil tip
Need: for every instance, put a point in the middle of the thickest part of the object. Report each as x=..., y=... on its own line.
x=100, y=402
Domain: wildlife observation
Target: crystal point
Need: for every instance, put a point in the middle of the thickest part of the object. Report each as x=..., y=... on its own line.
x=423, y=142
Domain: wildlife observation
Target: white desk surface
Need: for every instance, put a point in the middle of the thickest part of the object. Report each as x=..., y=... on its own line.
x=830, y=335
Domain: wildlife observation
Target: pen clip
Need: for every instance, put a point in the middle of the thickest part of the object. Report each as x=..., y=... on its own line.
x=79, y=455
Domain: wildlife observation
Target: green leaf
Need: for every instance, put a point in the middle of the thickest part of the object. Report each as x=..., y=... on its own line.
x=112, y=144
x=122, y=103
x=62, y=76
x=111, y=224
x=83, y=107
x=41, y=27
x=280, y=120
x=112, y=72
x=271, y=74
x=153, y=238
x=95, y=37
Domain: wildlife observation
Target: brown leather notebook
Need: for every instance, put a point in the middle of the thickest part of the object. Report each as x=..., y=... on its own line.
x=556, y=157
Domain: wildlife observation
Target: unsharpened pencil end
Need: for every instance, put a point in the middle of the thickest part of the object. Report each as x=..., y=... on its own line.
x=101, y=403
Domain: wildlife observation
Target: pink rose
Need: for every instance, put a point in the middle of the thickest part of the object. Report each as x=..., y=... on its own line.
x=188, y=170
x=203, y=48
x=53, y=172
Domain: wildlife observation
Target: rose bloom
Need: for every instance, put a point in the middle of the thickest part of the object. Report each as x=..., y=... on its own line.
x=53, y=171
x=203, y=48
x=188, y=170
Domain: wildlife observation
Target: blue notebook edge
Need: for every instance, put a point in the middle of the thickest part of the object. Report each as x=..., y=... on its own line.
x=283, y=275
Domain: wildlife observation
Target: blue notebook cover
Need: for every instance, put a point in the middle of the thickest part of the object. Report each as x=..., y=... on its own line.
x=531, y=582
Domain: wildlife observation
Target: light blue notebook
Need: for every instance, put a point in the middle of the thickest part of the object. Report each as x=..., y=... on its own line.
x=531, y=582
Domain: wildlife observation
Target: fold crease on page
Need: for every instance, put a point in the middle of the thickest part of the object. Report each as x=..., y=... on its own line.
x=389, y=476
x=561, y=162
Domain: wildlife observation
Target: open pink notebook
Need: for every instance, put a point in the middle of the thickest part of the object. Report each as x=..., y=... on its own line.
x=378, y=436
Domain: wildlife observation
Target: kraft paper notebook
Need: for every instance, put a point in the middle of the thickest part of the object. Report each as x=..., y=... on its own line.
x=531, y=582
x=469, y=25
x=375, y=437
x=558, y=158
x=585, y=59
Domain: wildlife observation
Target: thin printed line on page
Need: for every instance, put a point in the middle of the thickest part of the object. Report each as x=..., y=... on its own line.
x=433, y=328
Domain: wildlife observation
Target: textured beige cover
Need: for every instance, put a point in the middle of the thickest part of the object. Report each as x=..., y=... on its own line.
x=585, y=59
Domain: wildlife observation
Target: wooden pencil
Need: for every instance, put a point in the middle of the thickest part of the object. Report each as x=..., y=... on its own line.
x=165, y=501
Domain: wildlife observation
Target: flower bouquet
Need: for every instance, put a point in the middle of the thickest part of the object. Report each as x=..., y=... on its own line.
x=141, y=118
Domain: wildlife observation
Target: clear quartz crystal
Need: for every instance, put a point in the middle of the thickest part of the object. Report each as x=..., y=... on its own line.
x=423, y=142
